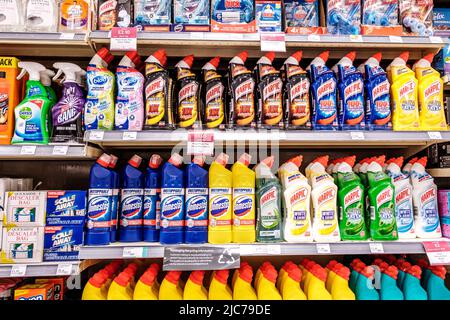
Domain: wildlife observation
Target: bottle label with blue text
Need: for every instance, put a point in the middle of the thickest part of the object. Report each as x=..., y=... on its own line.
x=243, y=207
x=152, y=201
x=220, y=207
x=115, y=208
x=196, y=207
x=172, y=208
x=99, y=208
x=132, y=203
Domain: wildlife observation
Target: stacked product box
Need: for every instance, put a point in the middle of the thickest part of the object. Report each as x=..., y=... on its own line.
x=444, y=211
x=268, y=15
x=344, y=17
x=380, y=17
x=66, y=212
x=416, y=16
x=302, y=17
x=234, y=16
x=191, y=15
x=441, y=21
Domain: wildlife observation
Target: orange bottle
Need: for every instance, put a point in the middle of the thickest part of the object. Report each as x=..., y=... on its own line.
x=10, y=92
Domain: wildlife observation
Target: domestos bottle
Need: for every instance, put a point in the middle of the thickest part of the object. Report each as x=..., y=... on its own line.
x=131, y=201
x=115, y=197
x=196, y=206
x=172, y=201
x=152, y=199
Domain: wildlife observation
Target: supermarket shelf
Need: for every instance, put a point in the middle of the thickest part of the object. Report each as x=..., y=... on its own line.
x=439, y=172
x=331, y=139
x=151, y=250
x=44, y=269
x=48, y=152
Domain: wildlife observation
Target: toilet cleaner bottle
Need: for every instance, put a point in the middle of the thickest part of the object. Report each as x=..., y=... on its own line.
x=152, y=199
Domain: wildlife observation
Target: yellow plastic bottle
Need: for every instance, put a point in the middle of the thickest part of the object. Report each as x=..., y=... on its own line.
x=145, y=288
x=170, y=287
x=260, y=270
x=431, y=95
x=93, y=289
x=330, y=269
x=194, y=289
x=266, y=289
x=404, y=94
x=309, y=266
x=243, y=201
x=316, y=285
x=243, y=289
x=283, y=273
x=157, y=268
x=244, y=264
x=339, y=287
x=120, y=288
x=219, y=289
x=131, y=269
x=290, y=286
x=220, y=201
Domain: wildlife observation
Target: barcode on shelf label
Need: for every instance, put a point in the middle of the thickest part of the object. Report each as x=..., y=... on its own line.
x=28, y=150
x=434, y=39
x=376, y=248
x=323, y=248
x=60, y=150
x=18, y=270
x=396, y=39
x=197, y=35
x=356, y=38
x=96, y=135
x=67, y=36
x=357, y=135
x=64, y=269
x=129, y=135
x=314, y=38
x=435, y=135
x=133, y=252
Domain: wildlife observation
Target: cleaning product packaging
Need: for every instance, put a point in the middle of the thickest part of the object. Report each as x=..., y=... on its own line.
x=37, y=291
x=125, y=13
x=153, y=15
x=380, y=17
x=417, y=16
x=236, y=16
x=12, y=15
x=74, y=16
x=191, y=15
x=114, y=13
x=268, y=15
x=344, y=16
x=302, y=17
x=213, y=96
x=41, y=15
x=62, y=243
x=10, y=89
x=25, y=208
x=22, y=244
x=66, y=207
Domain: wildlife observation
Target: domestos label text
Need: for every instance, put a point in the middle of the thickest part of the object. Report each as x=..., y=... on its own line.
x=172, y=208
x=132, y=204
x=196, y=207
x=243, y=206
x=220, y=207
x=99, y=208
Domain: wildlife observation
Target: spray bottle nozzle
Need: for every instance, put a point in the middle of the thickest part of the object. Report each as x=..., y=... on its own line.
x=70, y=71
x=34, y=69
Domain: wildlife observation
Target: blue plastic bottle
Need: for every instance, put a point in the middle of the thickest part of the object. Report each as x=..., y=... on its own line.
x=115, y=197
x=172, y=201
x=152, y=199
x=101, y=184
x=196, y=207
x=363, y=289
x=411, y=284
x=132, y=200
x=389, y=289
x=435, y=284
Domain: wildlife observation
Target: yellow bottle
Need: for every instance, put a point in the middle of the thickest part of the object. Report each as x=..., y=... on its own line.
x=220, y=202
x=308, y=276
x=145, y=288
x=316, y=285
x=170, y=287
x=219, y=289
x=194, y=289
x=339, y=287
x=404, y=94
x=243, y=201
x=244, y=264
x=331, y=273
x=266, y=289
x=304, y=271
x=290, y=286
x=431, y=95
x=260, y=270
x=94, y=288
x=283, y=273
x=156, y=267
x=243, y=289
x=120, y=288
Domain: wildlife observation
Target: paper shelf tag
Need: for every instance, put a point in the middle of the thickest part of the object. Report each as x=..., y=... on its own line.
x=313, y=37
x=133, y=252
x=28, y=150
x=357, y=135
x=123, y=39
x=435, y=135
x=200, y=143
x=64, y=269
x=396, y=39
x=376, y=248
x=96, y=135
x=129, y=135
x=18, y=270
x=60, y=150
x=323, y=248
x=273, y=41
x=438, y=252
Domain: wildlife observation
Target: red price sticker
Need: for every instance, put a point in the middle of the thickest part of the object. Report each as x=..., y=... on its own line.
x=273, y=41
x=438, y=252
x=200, y=143
x=123, y=39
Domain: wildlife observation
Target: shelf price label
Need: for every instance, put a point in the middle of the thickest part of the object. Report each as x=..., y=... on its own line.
x=357, y=135
x=314, y=38
x=434, y=39
x=435, y=135
x=133, y=252
x=356, y=38
x=376, y=248
x=18, y=270
x=123, y=39
x=323, y=248
x=273, y=41
x=28, y=150
x=396, y=39
x=200, y=143
x=129, y=135
x=438, y=252
x=64, y=269
x=60, y=150
x=67, y=36
x=96, y=135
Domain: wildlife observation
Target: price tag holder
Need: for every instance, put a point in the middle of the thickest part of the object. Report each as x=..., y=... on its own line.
x=396, y=39
x=200, y=143
x=123, y=39
x=18, y=270
x=376, y=248
x=197, y=35
x=435, y=135
x=129, y=135
x=356, y=38
x=28, y=150
x=357, y=135
x=314, y=38
x=60, y=150
x=96, y=135
x=323, y=248
x=434, y=39
x=67, y=36
x=64, y=269
x=133, y=252
x=273, y=41
x=438, y=252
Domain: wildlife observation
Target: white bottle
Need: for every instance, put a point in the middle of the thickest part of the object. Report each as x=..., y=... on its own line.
x=426, y=215
x=11, y=16
x=373, y=61
x=297, y=202
x=320, y=60
x=399, y=61
x=407, y=168
x=404, y=210
x=323, y=196
x=346, y=61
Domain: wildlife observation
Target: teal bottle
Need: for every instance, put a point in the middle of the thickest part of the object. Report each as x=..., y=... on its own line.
x=436, y=286
x=364, y=290
x=412, y=289
x=355, y=266
x=402, y=266
x=389, y=289
x=423, y=264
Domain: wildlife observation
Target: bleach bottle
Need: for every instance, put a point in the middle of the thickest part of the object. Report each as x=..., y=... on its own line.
x=131, y=201
x=196, y=206
x=172, y=201
x=323, y=89
x=129, y=114
x=99, y=107
x=351, y=94
x=101, y=185
x=152, y=199
x=115, y=197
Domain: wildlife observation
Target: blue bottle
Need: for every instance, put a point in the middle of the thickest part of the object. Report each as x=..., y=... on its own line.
x=115, y=197
x=132, y=201
x=101, y=184
x=172, y=201
x=152, y=199
x=196, y=206
x=411, y=284
x=435, y=284
x=389, y=289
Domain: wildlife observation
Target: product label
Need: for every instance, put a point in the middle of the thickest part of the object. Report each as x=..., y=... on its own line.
x=324, y=97
x=25, y=207
x=62, y=243
x=188, y=103
x=131, y=207
x=28, y=120
x=99, y=208
x=243, y=207
x=427, y=211
x=196, y=207
x=40, y=13
x=155, y=100
x=298, y=100
x=325, y=214
x=114, y=208
x=74, y=15
x=404, y=210
x=129, y=110
x=220, y=207
x=214, y=105
x=107, y=15
x=152, y=12
x=382, y=208
x=298, y=212
x=191, y=11
x=66, y=207
x=353, y=102
x=433, y=97
x=22, y=244
x=152, y=206
x=269, y=215
x=244, y=103
x=172, y=208
x=352, y=214
x=10, y=13
x=272, y=105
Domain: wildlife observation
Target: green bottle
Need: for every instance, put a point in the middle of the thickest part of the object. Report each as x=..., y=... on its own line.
x=46, y=80
x=383, y=225
x=362, y=173
x=31, y=115
x=352, y=223
x=268, y=203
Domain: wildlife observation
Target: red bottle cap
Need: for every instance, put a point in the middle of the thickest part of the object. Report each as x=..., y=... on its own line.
x=325, y=55
x=113, y=162
x=415, y=271
x=244, y=264
x=135, y=161
x=105, y=273
x=246, y=274
x=243, y=56
x=298, y=55
x=310, y=265
x=199, y=160
x=398, y=161
x=173, y=276
x=197, y=277
x=189, y=60
x=176, y=159
x=391, y=271
x=319, y=272
x=104, y=160
x=105, y=55
x=148, y=277
x=439, y=271
x=270, y=55
x=423, y=161
x=222, y=159
x=404, y=266
x=413, y=160
x=359, y=267
x=304, y=262
x=122, y=279
x=155, y=266
x=222, y=276
x=296, y=160
x=133, y=266
x=270, y=274
x=134, y=57
x=161, y=56
x=245, y=159
x=331, y=264
x=215, y=62
x=323, y=160
x=287, y=264
x=404, y=56
x=429, y=57
x=354, y=262
x=343, y=272
x=350, y=160
x=423, y=263
x=337, y=267
x=295, y=273
x=383, y=266
x=378, y=261
x=155, y=161
x=97, y=280
x=378, y=56
x=368, y=272
x=351, y=55
x=110, y=270
x=269, y=161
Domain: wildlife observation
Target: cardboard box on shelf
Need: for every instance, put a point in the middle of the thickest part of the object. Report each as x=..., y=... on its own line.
x=37, y=291
x=62, y=243
x=191, y=16
x=59, y=286
x=233, y=16
x=441, y=21
x=22, y=244
x=25, y=208
x=65, y=207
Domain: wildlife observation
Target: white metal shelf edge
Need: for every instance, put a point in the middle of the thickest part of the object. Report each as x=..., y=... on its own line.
x=44, y=269
x=57, y=151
